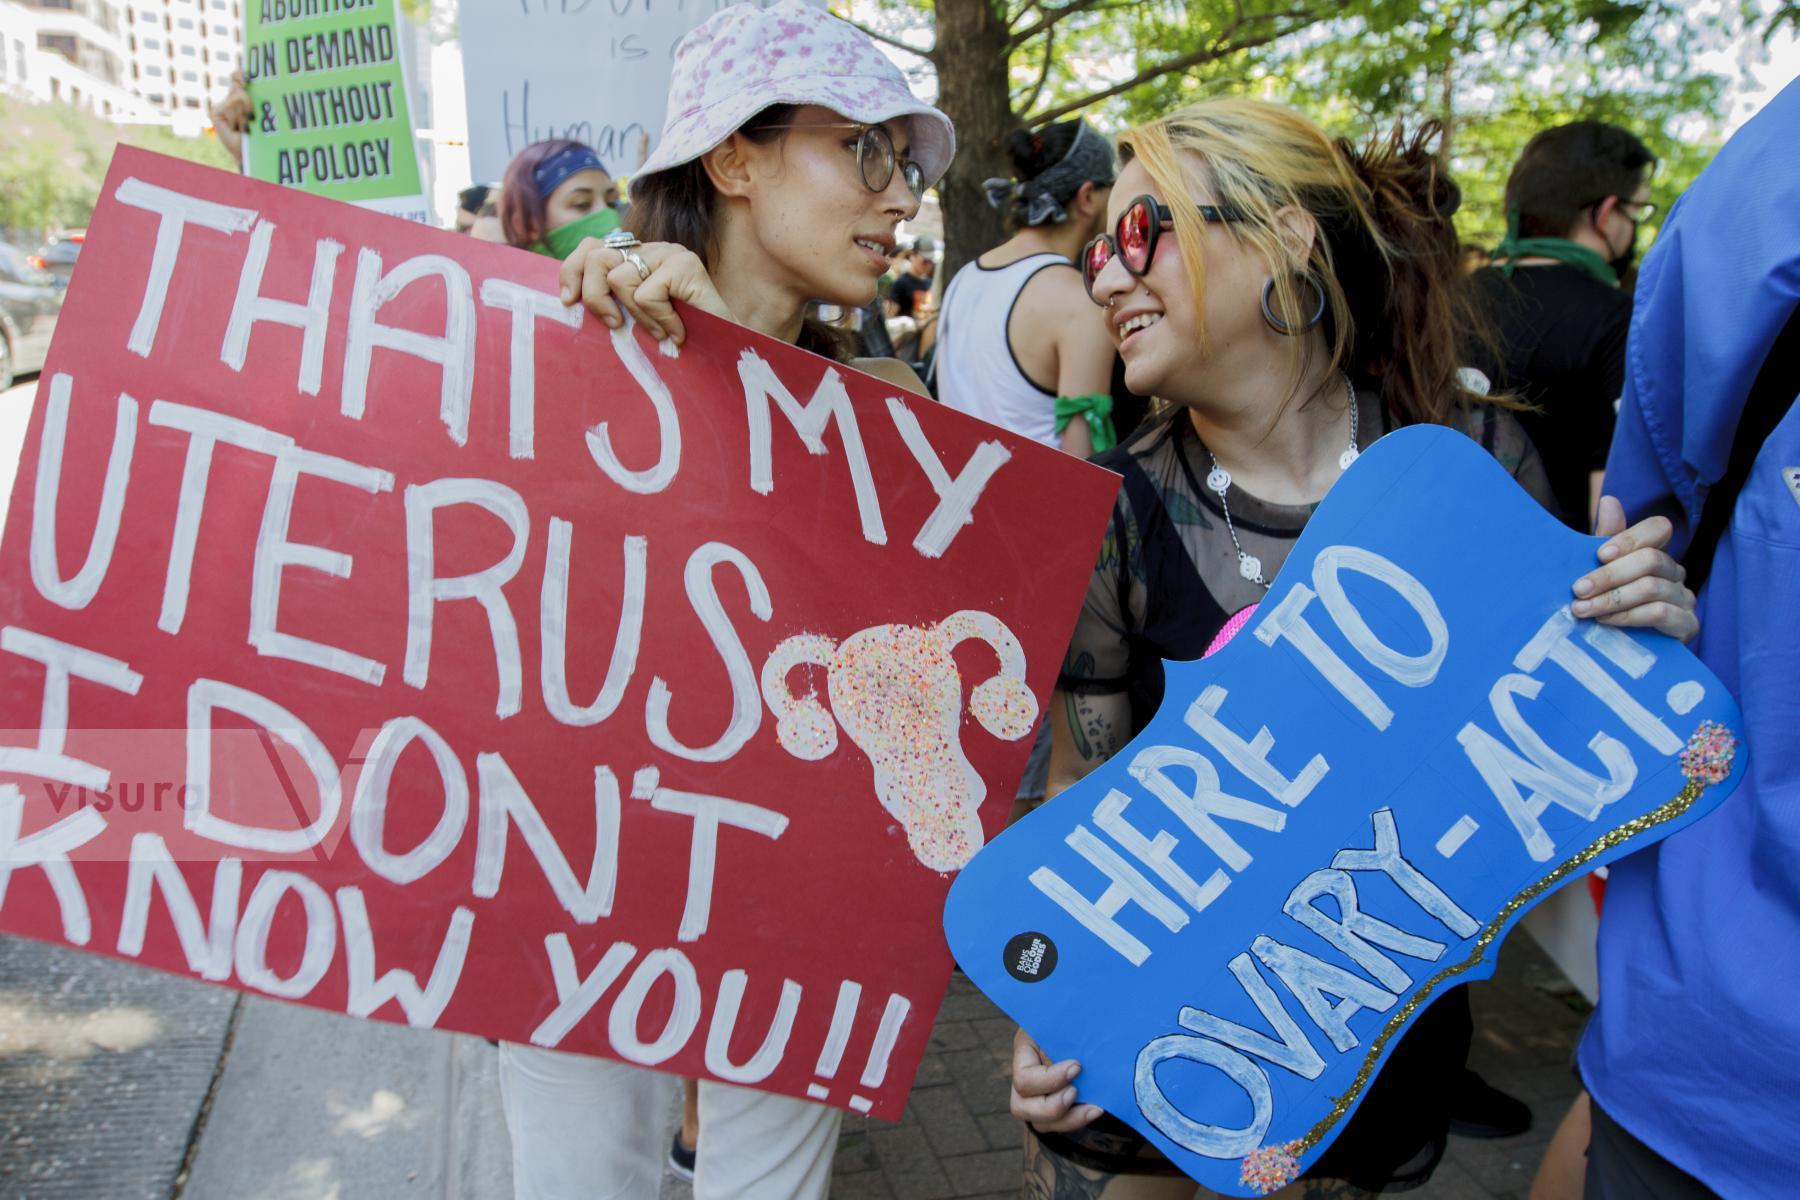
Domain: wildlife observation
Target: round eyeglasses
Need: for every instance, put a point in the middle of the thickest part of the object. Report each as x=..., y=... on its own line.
x=1133, y=240
x=875, y=156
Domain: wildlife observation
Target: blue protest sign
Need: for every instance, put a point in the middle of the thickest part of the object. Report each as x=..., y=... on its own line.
x=1339, y=816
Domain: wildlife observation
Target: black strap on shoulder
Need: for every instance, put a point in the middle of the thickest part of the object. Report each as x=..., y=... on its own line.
x=1490, y=428
x=1770, y=397
x=1121, y=536
x=1122, y=586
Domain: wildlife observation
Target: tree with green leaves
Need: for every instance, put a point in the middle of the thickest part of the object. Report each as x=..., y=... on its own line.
x=1495, y=73
x=1785, y=16
x=53, y=158
x=1002, y=64
x=1492, y=71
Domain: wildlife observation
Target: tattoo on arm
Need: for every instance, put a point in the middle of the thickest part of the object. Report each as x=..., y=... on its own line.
x=1095, y=733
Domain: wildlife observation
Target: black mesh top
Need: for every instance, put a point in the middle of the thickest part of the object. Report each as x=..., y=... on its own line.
x=1167, y=576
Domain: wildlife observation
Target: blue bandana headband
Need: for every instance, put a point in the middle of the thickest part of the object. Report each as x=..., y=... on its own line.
x=550, y=174
x=1035, y=201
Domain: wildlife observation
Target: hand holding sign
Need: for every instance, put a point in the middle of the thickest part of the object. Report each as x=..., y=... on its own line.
x=1339, y=815
x=620, y=278
x=1640, y=584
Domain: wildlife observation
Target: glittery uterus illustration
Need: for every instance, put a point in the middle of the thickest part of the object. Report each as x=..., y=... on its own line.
x=896, y=690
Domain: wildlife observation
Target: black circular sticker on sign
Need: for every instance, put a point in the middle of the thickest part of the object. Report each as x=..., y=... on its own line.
x=1030, y=957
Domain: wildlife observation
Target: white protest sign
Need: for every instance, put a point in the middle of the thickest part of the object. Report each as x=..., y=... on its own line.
x=593, y=70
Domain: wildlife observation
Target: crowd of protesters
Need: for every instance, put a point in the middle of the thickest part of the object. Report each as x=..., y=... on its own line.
x=1230, y=295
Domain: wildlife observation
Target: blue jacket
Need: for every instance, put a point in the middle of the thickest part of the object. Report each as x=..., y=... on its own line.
x=1695, y=1048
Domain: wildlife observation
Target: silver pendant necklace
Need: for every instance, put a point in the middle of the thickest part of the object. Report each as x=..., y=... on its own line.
x=1219, y=481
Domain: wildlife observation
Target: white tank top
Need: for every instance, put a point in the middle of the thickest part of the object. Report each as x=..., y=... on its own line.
x=977, y=372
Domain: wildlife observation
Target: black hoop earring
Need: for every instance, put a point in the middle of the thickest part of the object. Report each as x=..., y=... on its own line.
x=1282, y=327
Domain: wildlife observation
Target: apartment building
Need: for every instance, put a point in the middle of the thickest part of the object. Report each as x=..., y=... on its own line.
x=85, y=32
x=181, y=52
x=71, y=52
x=156, y=61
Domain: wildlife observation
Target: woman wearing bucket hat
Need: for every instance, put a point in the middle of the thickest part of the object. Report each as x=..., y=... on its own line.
x=791, y=152
x=1290, y=297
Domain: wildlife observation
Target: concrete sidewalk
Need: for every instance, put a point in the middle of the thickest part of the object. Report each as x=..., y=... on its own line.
x=118, y=1082
x=121, y=1082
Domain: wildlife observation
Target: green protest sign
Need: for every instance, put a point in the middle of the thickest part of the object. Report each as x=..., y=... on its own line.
x=329, y=95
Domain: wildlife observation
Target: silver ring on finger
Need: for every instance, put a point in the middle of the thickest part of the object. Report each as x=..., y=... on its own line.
x=620, y=239
x=637, y=260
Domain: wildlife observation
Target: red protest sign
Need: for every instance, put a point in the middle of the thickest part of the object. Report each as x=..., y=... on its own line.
x=378, y=634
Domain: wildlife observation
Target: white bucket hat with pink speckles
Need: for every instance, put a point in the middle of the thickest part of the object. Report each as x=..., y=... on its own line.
x=745, y=58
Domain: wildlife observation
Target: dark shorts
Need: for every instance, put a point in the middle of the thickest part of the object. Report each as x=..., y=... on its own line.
x=1619, y=1167
x=1393, y=1142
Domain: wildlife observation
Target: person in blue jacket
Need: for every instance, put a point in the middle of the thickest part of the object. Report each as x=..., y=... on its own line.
x=1693, y=1056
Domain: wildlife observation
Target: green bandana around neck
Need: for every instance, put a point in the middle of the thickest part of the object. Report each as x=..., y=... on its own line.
x=1513, y=247
x=560, y=242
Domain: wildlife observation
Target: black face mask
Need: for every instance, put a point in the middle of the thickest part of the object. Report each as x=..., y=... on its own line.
x=1624, y=261
x=1621, y=263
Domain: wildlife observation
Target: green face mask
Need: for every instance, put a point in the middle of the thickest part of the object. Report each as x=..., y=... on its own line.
x=559, y=243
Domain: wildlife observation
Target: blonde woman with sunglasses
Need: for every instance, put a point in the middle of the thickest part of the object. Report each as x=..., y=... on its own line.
x=1290, y=299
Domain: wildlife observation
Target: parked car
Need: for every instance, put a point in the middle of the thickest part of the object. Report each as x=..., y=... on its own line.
x=57, y=256
x=30, y=301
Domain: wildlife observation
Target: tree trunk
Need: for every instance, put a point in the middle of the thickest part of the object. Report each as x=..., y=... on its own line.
x=974, y=92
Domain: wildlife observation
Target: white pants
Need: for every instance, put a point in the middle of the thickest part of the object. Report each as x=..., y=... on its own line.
x=593, y=1129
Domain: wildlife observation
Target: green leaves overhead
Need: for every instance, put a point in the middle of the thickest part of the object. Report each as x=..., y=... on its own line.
x=1494, y=71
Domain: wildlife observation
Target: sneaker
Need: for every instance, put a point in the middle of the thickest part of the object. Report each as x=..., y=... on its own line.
x=681, y=1158
x=1479, y=1110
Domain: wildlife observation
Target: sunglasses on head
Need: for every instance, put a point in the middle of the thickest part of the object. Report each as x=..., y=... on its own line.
x=876, y=158
x=1133, y=240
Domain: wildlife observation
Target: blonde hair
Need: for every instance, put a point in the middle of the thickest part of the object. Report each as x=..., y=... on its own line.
x=1384, y=249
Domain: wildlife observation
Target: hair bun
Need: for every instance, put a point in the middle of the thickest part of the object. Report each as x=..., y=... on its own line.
x=1398, y=169
x=1025, y=150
